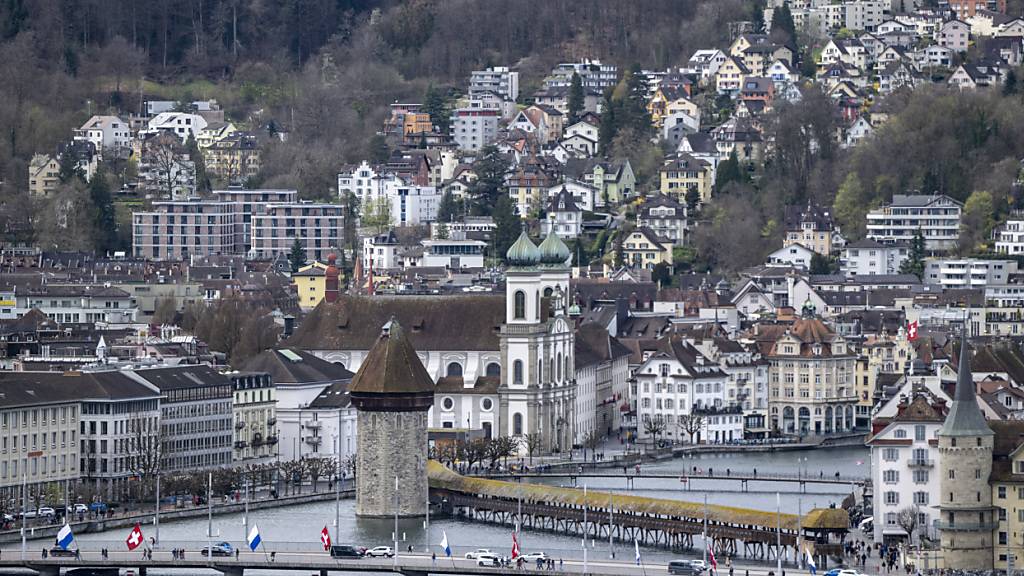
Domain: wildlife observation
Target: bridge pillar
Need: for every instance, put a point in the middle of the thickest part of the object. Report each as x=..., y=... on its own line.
x=408, y=572
x=142, y=571
x=230, y=570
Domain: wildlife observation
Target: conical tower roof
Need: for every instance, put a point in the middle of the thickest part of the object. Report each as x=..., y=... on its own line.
x=523, y=252
x=965, y=418
x=553, y=250
x=392, y=378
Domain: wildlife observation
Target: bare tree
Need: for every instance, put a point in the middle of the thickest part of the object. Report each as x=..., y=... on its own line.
x=533, y=442
x=654, y=427
x=293, y=471
x=475, y=451
x=692, y=424
x=168, y=168
x=590, y=441
x=316, y=468
x=907, y=519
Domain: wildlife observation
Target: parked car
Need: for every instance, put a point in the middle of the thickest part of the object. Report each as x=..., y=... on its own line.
x=219, y=549
x=488, y=560
x=57, y=551
x=683, y=568
x=344, y=551
x=28, y=514
x=379, y=551
x=46, y=512
x=475, y=553
x=849, y=572
x=832, y=572
x=534, y=556
x=79, y=509
x=699, y=565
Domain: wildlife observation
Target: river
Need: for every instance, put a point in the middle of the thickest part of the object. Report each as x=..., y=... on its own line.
x=298, y=527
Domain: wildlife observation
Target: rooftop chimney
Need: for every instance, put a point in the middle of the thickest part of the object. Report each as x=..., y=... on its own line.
x=331, y=280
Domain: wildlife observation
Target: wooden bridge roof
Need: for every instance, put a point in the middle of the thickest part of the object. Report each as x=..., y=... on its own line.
x=444, y=478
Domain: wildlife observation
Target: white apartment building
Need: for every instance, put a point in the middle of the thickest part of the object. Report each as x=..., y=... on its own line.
x=867, y=257
x=968, y=272
x=676, y=382
x=904, y=466
x=174, y=230
x=454, y=254
x=366, y=182
x=937, y=216
x=78, y=303
x=855, y=14
x=1010, y=236
x=106, y=133
x=496, y=79
x=475, y=125
x=413, y=205
x=592, y=73
x=180, y=124
x=255, y=420
x=381, y=251
x=318, y=227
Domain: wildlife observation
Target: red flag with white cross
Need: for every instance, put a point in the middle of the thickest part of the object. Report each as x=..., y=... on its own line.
x=325, y=538
x=134, y=537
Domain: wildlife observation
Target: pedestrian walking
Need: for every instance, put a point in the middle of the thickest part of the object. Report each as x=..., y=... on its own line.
x=237, y=551
x=433, y=558
x=561, y=567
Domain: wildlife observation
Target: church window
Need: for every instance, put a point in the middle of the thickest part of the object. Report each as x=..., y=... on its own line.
x=952, y=442
x=952, y=474
x=448, y=403
x=517, y=424
x=454, y=370
x=487, y=404
x=558, y=368
x=517, y=372
x=493, y=370
x=519, y=300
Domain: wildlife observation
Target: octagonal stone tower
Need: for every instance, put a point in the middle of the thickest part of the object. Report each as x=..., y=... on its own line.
x=391, y=392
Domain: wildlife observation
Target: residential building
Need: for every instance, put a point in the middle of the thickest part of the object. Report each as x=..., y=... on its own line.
x=684, y=173
x=196, y=416
x=955, y=34
x=474, y=125
x=250, y=201
x=77, y=303
x=964, y=9
x=601, y=373
x=564, y=217
x=968, y=272
x=318, y=227
x=311, y=405
x=677, y=385
x=584, y=195
x=1009, y=236
x=812, y=227
x=107, y=133
x=866, y=257
x=234, y=158
x=496, y=79
x=795, y=255
x=166, y=170
x=644, y=249
x=181, y=124
x=310, y=284
x=936, y=216
x=593, y=74
x=39, y=427
x=253, y=406
x=666, y=217
x=904, y=457
x=413, y=205
x=453, y=253
x=811, y=380
x=43, y=175
x=173, y=230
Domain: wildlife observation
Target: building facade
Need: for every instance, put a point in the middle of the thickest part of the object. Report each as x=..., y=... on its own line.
x=937, y=217
x=318, y=227
x=254, y=404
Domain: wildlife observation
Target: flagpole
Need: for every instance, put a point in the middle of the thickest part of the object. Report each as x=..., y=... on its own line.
x=394, y=556
x=337, y=494
x=799, y=533
x=778, y=532
x=156, y=521
x=704, y=534
x=209, y=516
x=245, y=515
x=585, y=529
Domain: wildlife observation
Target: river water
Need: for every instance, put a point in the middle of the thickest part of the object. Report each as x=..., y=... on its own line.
x=298, y=527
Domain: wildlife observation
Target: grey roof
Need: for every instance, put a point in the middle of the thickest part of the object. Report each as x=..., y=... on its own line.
x=293, y=366
x=39, y=388
x=965, y=418
x=919, y=200
x=181, y=377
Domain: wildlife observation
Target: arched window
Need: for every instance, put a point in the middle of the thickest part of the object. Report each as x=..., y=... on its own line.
x=493, y=370
x=520, y=305
x=517, y=424
x=568, y=372
x=537, y=309
x=547, y=292
x=558, y=368
x=517, y=372
x=454, y=369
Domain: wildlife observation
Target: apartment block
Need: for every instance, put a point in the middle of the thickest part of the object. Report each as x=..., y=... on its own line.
x=317, y=226
x=498, y=80
x=936, y=216
x=174, y=230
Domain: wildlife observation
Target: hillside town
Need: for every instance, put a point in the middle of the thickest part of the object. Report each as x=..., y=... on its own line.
x=566, y=299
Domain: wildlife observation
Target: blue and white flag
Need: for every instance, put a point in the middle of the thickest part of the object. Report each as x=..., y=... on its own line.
x=65, y=537
x=254, y=538
x=810, y=563
x=636, y=547
x=444, y=544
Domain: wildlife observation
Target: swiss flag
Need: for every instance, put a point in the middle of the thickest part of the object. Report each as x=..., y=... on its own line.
x=912, y=331
x=325, y=538
x=515, y=546
x=134, y=538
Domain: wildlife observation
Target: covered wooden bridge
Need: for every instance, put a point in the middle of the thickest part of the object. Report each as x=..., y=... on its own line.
x=672, y=524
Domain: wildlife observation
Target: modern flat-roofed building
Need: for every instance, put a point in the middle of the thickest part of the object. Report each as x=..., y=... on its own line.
x=317, y=226
x=255, y=428
x=497, y=79
x=174, y=230
x=936, y=216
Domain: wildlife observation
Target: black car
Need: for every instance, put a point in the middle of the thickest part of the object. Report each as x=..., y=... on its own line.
x=344, y=551
x=57, y=551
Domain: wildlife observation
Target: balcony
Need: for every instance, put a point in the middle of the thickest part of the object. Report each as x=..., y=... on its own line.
x=271, y=440
x=920, y=463
x=239, y=425
x=239, y=445
x=271, y=421
x=966, y=526
x=315, y=424
x=314, y=440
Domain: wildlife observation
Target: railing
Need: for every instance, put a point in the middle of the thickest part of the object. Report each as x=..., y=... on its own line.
x=965, y=526
x=241, y=444
x=312, y=439
x=920, y=463
x=311, y=423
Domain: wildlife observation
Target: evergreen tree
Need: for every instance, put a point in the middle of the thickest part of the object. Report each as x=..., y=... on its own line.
x=202, y=178
x=489, y=187
x=820, y=264
x=1010, y=84
x=914, y=264
x=297, y=256
x=692, y=200
x=661, y=275
x=783, y=27
x=105, y=236
x=758, y=16
x=379, y=151
x=729, y=171
x=507, y=226
x=608, y=128
x=577, y=99
x=634, y=108
x=69, y=169
x=436, y=104
x=448, y=210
